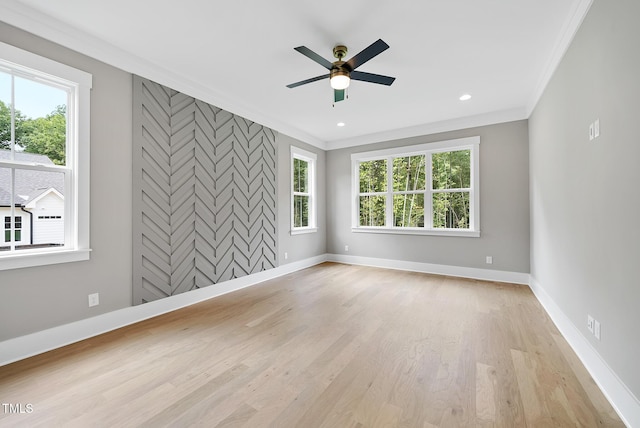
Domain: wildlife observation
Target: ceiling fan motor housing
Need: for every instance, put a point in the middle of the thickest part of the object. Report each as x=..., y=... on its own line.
x=340, y=51
x=340, y=68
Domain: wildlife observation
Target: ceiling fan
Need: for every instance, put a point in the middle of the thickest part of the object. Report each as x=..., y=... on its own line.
x=341, y=72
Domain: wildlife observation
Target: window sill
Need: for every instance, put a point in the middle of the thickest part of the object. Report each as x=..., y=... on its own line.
x=416, y=231
x=302, y=231
x=16, y=261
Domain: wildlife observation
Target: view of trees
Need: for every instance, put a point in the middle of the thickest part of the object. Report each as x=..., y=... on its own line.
x=301, y=193
x=450, y=174
x=43, y=135
x=451, y=170
x=373, y=179
x=409, y=180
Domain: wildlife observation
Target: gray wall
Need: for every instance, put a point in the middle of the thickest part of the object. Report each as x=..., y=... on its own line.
x=33, y=299
x=585, y=246
x=504, y=206
x=299, y=247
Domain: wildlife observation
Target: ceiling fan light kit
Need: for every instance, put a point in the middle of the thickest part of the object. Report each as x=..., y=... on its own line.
x=340, y=79
x=342, y=72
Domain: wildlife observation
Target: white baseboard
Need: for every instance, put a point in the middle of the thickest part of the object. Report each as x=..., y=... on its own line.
x=464, y=272
x=621, y=398
x=42, y=341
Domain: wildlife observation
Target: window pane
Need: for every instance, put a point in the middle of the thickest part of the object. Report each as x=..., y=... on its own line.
x=451, y=210
x=300, y=175
x=373, y=176
x=5, y=111
x=408, y=210
x=372, y=210
x=5, y=204
x=38, y=194
x=300, y=211
x=41, y=119
x=451, y=170
x=408, y=173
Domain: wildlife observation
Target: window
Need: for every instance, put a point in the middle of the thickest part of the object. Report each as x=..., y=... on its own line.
x=17, y=229
x=44, y=160
x=424, y=189
x=303, y=204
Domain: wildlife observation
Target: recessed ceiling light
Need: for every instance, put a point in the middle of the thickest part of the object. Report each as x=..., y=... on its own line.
x=465, y=97
x=340, y=124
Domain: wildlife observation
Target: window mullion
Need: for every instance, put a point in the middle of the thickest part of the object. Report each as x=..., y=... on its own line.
x=311, y=174
x=12, y=212
x=12, y=180
x=389, y=194
x=12, y=112
x=428, y=194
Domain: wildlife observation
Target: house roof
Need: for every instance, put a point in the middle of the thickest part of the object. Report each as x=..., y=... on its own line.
x=29, y=184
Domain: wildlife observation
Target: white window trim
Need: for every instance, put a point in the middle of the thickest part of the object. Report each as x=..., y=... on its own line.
x=311, y=159
x=77, y=186
x=469, y=143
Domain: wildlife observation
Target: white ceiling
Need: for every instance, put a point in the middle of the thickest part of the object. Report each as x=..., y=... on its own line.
x=239, y=56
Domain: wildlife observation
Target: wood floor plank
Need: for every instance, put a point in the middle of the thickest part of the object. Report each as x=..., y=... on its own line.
x=330, y=346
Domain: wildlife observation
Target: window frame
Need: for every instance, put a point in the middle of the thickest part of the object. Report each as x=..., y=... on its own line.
x=427, y=149
x=311, y=159
x=78, y=85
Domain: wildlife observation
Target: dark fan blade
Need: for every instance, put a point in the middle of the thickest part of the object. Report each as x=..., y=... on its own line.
x=314, y=56
x=338, y=95
x=374, y=49
x=372, y=78
x=304, y=82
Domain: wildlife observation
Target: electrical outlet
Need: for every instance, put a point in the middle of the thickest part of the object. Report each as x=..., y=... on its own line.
x=489, y=260
x=596, y=329
x=346, y=248
x=286, y=256
x=94, y=299
x=590, y=322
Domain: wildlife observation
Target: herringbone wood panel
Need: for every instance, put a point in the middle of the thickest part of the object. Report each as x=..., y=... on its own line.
x=204, y=194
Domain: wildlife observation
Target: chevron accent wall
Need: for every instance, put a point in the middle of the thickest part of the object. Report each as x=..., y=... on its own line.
x=204, y=194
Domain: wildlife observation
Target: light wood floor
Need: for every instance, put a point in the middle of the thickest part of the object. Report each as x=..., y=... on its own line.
x=331, y=346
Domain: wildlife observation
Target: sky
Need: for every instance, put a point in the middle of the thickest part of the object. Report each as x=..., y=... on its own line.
x=33, y=99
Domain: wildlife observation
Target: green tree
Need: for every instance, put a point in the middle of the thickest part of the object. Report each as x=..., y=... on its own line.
x=5, y=126
x=409, y=176
x=373, y=179
x=451, y=170
x=47, y=135
x=300, y=185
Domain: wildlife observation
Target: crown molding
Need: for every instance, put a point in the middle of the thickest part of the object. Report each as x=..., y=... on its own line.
x=35, y=22
x=432, y=128
x=579, y=11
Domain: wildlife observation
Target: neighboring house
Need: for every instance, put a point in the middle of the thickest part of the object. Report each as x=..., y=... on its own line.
x=38, y=203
